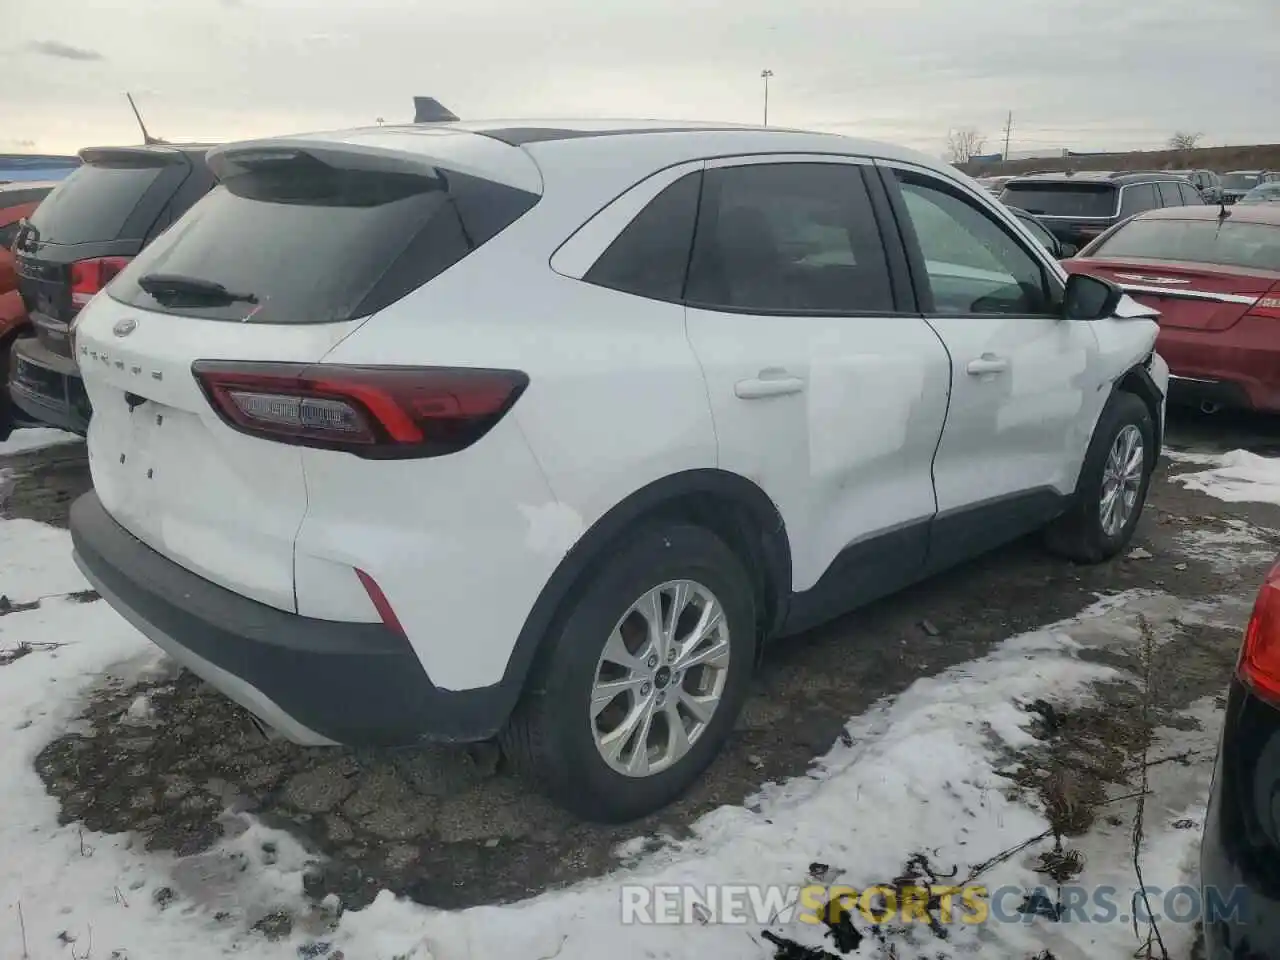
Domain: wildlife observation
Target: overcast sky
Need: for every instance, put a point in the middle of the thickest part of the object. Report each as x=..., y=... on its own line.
x=1088, y=74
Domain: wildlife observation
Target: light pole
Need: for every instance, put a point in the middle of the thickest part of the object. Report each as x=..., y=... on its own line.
x=765, y=75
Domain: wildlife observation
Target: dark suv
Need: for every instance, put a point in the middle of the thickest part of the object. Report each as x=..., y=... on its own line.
x=1077, y=207
x=82, y=235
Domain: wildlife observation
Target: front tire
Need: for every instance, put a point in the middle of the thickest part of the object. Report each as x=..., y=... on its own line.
x=1113, y=484
x=642, y=681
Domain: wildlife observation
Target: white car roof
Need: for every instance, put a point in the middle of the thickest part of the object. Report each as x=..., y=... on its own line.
x=595, y=156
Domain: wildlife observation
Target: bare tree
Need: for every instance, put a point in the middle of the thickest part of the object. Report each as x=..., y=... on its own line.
x=1184, y=140
x=965, y=144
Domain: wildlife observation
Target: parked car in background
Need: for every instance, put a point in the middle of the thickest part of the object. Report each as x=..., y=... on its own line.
x=98, y=219
x=1239, y=182
x=1206, y=181
x=994, y=184
x=35, y=167
x=1081, y=206
x=17, y=201
x=1216, y=281
x=1262, y=193
x=1240, y=845
x=342, y=470
x=1042, y=233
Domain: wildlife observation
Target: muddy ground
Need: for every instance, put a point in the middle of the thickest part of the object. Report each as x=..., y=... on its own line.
x=450, y=827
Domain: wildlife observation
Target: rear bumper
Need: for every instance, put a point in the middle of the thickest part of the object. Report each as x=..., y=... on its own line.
x=1238, y=367
x=47, y=387
x=315, y=681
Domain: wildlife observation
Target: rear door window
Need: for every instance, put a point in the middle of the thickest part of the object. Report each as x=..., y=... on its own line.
x=94, y=203
x=1169, y=195
x=1137, y=198
x=309, y=241
x=1060, y=199
x=789, y=238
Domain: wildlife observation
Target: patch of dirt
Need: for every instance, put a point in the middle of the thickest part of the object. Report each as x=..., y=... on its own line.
x=41, y=484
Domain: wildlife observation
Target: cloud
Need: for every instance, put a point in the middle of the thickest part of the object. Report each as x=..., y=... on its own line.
x=54, y=48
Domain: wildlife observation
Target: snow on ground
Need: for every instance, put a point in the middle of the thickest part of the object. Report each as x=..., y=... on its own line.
x=916, y=772
x=35, y=438
x=1237, y=544
x=1236, y=477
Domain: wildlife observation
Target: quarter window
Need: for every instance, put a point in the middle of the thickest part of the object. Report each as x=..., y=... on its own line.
x=788, y=237
x=974, y=265
x=650, y=256
x=1137, y=198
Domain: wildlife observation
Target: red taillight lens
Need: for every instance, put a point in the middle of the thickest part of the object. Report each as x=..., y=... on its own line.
x=90, y=276
x=1259, y=665
x=376, y=412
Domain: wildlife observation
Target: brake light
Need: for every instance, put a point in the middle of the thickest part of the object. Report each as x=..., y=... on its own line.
x=1259, y=665
x=374, y=412
x=90, y=276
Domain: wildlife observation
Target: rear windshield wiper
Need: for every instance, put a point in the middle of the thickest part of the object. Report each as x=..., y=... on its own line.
x=176, y=286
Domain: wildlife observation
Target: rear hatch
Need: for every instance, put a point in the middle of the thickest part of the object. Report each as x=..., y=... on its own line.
x=88, y=228
x=1074, y=210
x=1200, y=274
x=299, y=246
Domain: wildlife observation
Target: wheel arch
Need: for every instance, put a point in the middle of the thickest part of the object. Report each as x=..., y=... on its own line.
x=731, y=506
x=1137, y=381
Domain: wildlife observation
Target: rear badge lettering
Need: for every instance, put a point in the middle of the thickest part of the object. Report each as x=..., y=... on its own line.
x=1139, y=278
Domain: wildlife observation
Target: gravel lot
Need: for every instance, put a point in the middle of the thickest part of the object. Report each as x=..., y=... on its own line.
x=175, y=762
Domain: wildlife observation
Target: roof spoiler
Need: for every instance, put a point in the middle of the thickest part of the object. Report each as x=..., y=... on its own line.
x=431, y=110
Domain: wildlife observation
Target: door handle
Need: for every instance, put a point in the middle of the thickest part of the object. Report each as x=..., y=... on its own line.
x=987, y=363
x=771, y=382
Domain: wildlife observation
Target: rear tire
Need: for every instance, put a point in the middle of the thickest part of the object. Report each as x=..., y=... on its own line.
x=1090, y=532
x=571, y=739
x=7, y=413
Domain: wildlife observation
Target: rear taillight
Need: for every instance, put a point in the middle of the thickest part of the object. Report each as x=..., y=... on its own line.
x=1259, y=665
x=90, y=276
x=375, y=412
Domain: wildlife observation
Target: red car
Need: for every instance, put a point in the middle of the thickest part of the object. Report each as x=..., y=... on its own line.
x=17, y=201
x=1214, y=275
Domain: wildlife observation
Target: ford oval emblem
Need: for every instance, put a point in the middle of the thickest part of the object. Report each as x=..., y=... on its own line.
x=125, y=327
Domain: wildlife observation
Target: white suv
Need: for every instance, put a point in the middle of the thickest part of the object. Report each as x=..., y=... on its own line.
x=541, y=431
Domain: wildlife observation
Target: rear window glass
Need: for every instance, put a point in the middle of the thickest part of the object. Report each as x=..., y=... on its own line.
x=1248, y=245
x=1263, y=193
x=93, y=203
x=1240, y=181
x=1062, y=199
x=306, y=242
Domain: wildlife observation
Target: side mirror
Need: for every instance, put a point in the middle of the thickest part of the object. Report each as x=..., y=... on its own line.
x=1067, y=250
x=1089, y=298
